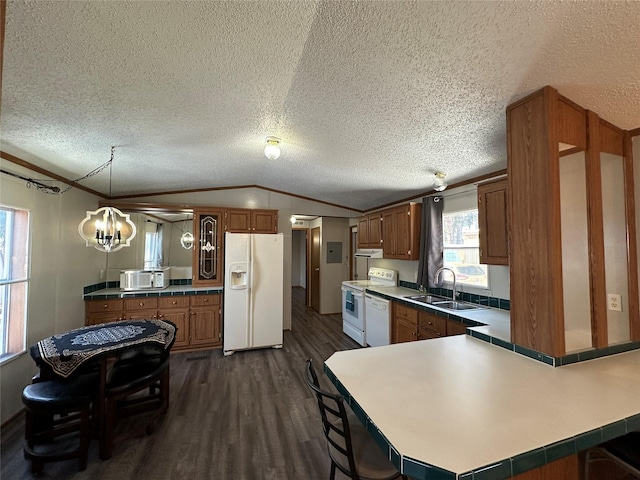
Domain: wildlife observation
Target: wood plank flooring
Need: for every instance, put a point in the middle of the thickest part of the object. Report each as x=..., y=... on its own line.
x=249, y=416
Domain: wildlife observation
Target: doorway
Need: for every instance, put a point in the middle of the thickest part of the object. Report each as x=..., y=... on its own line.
x=300, y=259
x=314, y=277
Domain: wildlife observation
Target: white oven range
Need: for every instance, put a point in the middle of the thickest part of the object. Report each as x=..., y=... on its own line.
x=353, y=301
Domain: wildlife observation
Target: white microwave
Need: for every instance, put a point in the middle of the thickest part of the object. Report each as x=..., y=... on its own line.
x=143, y=279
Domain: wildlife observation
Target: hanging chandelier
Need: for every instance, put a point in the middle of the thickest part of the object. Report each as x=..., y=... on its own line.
x=186, y=239
x=107, y=229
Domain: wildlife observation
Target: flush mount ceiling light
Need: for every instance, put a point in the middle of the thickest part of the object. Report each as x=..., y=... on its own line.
x=272, y=149
x=439, y=183
x=107, y=229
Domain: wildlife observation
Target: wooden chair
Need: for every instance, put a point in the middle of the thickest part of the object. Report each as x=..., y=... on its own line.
x=54, y=410
x=623, y=452
x=137, y=385
x=351, y=449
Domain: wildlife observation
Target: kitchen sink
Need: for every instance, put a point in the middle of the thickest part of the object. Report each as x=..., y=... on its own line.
x=426, y=298
x=451, y=305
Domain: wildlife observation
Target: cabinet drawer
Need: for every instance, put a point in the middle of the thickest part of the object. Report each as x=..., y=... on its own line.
x=173, y=302
x=433, y=322
x=205, y=300
x=406, y=313
x=112, y=305
x=140, y=303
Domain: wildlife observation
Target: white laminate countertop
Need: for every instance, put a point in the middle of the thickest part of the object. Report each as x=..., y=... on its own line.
x=461, y=404
x=497, y=323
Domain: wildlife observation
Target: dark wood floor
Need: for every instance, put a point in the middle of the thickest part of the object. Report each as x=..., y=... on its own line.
x=247, y=416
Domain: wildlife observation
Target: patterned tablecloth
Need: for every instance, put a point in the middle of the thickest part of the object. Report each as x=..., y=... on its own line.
x=65, y=352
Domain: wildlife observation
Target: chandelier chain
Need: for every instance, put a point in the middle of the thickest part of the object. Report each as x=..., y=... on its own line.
x=51, y=190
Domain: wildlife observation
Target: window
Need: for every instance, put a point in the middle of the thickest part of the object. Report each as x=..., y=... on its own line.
x=14, y=279
x=461, y=244
x=153, y=245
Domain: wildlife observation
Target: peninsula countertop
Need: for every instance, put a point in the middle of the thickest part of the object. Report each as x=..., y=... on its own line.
x=459, y=406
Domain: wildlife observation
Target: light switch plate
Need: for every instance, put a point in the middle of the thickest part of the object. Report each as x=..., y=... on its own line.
x=614, y=302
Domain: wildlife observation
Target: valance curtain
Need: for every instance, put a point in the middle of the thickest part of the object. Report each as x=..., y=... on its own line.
x=431, y=249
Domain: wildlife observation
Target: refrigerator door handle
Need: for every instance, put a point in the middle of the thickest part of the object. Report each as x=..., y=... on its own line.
x=250, y=296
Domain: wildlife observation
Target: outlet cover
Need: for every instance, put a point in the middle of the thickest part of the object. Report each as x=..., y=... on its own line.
x=614, y=302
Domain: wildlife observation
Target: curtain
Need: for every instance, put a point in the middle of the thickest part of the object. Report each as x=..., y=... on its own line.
x=431, y=256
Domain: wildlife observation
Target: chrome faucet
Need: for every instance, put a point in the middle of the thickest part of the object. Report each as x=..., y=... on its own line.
x=437, y=275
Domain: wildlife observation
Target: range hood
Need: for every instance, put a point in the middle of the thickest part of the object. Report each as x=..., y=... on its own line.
x=369, y=253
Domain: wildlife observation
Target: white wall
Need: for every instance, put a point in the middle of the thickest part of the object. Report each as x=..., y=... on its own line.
x=61, y=265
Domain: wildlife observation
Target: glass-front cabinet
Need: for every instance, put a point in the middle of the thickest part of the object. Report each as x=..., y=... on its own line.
x=208, y=253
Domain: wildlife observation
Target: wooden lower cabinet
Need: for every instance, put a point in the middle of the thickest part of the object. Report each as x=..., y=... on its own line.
x=197, y=317
x=176, y=310
x=409, y=324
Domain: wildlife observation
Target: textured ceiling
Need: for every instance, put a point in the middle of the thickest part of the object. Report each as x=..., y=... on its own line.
x=370, y=98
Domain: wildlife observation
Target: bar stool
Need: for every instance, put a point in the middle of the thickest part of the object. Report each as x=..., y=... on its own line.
x=55, y=409
x=138, y=385
x=623, y=452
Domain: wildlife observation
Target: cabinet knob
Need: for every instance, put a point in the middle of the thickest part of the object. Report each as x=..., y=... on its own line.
x=106, y=306
x=141, y=304
x=174, y=302
x=205, y=300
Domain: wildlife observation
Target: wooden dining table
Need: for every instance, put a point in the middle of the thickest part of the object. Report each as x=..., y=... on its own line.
x=66, y=354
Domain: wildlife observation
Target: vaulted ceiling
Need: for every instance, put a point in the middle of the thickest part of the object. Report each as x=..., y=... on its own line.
x=370, y=98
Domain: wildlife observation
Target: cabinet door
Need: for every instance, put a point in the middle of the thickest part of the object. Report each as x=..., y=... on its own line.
x=180, y=318
x=403, y=330
x=238, y=220
x=103, y=311
x=456, y=328
x=264, y=221
x=492, y=219
x=375, y=230
x=363, y=232
x=205, y=326
x=208, y=252
x=426, y=334
x=388, y=234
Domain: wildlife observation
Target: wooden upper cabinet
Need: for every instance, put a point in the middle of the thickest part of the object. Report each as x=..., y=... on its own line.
x=242, y=220
x=208, y=251
x=401, y=231
x=493, y=221
x=370, y=231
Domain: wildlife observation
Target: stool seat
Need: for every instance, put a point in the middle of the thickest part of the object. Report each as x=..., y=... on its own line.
x=50, y=395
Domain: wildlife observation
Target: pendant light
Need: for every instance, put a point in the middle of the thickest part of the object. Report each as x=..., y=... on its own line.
x=107, y=229
x=439, y=183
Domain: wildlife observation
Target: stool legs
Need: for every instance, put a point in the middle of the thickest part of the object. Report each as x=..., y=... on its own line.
x=37, y=432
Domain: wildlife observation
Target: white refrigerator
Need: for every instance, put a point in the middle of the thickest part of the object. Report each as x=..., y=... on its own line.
x=253, y=291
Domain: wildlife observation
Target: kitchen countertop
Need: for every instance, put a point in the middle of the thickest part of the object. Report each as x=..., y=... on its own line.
x=172, y=290
x=456, y=406
x=496, y=322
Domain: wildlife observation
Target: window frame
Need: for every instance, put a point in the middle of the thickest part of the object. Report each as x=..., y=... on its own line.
x=13, y=320
x=462, y=207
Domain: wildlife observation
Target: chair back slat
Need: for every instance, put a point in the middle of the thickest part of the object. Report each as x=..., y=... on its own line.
x=335, y=424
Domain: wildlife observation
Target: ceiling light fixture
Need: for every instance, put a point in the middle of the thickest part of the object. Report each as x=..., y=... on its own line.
x=293, y=219
x=107, y=229
x=439, y=183
x=272, y=149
